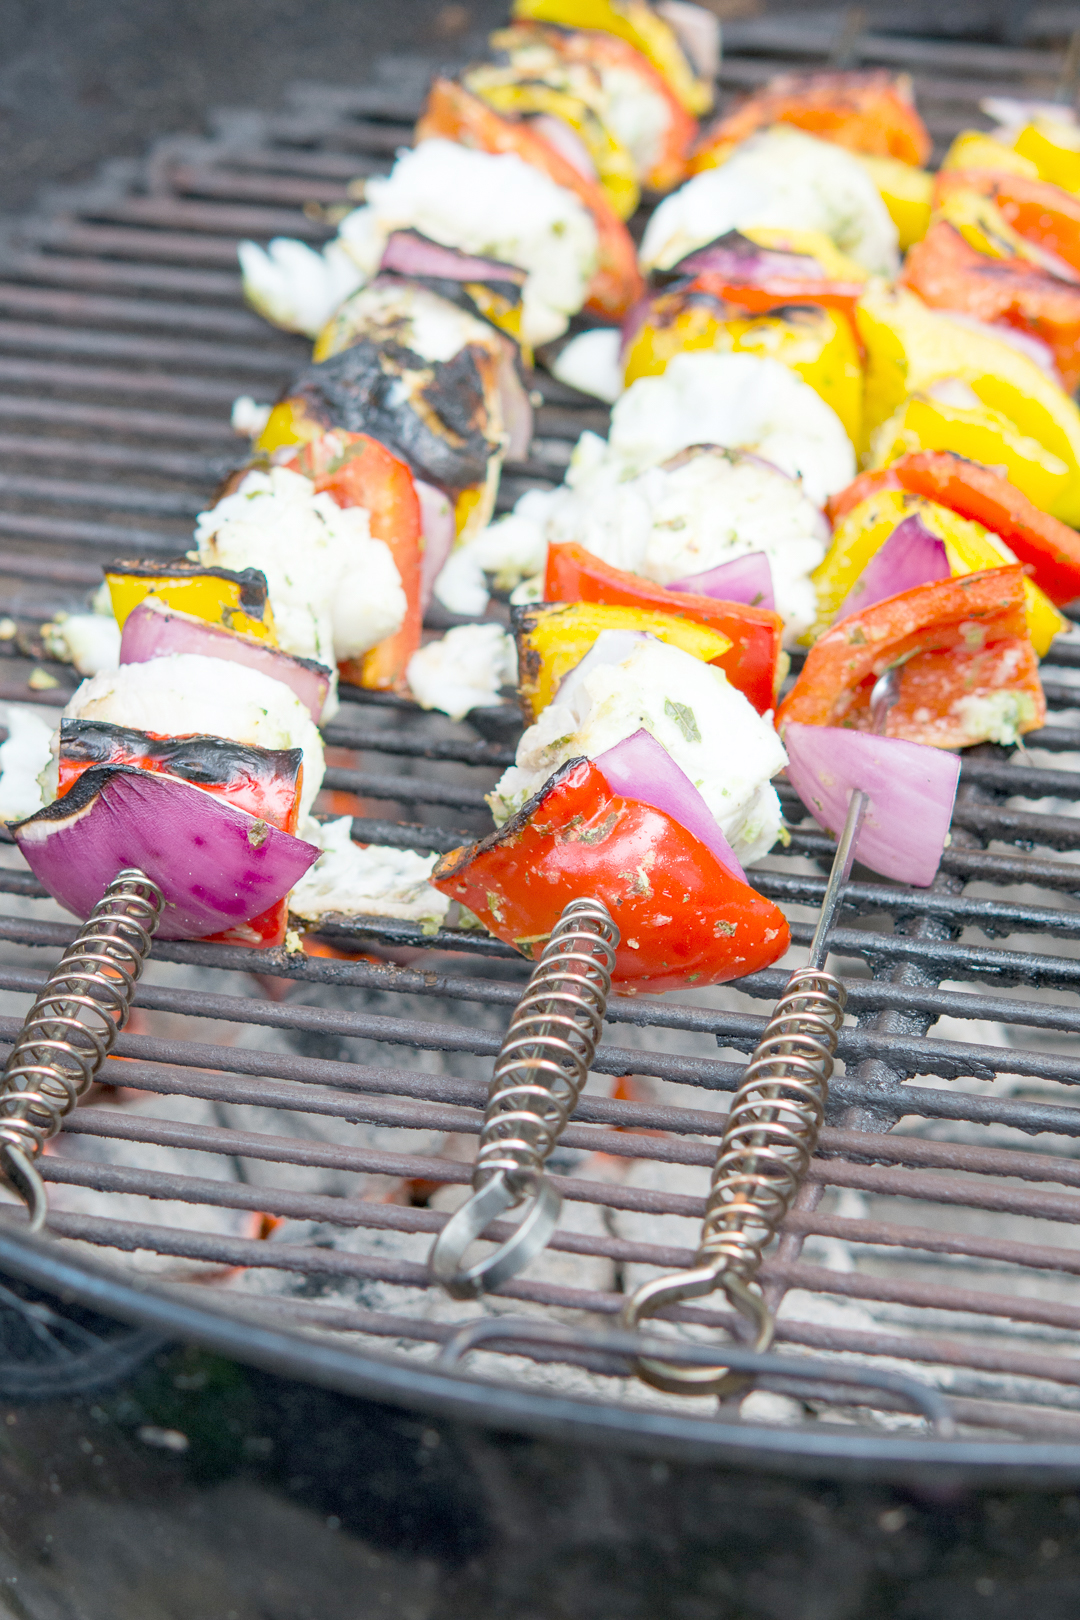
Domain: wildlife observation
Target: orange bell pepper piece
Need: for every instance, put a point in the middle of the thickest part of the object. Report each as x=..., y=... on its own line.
x=948, y=273
x=454, y=113
x=968, y=670
x=1049, y=548
x=356, y=470
x=864, y=112
x=752, y=663
x=684, y=919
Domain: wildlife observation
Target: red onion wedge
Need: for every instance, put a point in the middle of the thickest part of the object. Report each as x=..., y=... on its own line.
x=216, y=865
x=410, y=253
x=744, y=579
x=641, y=768
x=912, y=555
x=739, y=260
x=153, y=630
x=911, y=789
x=439, y=528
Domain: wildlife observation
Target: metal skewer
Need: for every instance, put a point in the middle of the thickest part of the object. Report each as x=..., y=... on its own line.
x=539, y=1073
x=71, y=1028
x=771, y=1132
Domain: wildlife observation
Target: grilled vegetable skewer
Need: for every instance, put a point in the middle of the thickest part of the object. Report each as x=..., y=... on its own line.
x=71, y=1028
x=771, y=1132
x=538, y=1078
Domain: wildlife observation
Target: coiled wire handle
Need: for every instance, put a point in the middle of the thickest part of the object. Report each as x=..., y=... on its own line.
x=539, y=1073
x=770, y=1137
x=71, y=1028
x=771, y=1132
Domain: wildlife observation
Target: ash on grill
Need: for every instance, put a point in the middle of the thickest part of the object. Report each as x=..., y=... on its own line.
x=288, y=1132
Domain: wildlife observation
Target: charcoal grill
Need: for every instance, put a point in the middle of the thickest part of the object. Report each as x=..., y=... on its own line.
x=935, y=1246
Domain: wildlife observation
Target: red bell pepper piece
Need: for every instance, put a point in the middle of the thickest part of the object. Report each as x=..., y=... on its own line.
x=958, y=641
x=684, y=919
x=752, y=663
x=265, y=782
x=860, y=489
x=356, y=470
x=1049, y=548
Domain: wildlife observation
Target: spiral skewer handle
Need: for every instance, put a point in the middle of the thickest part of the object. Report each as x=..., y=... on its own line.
x=541, y=1068
x=771, y=1132
x=71, y=1028
x=770, y=1137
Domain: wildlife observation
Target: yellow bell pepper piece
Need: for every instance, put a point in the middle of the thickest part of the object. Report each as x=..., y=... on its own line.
x=553, y=638
x=980, y=434
x=713, y=157
x=217, y=595
x=906, y=192
x=501, y=313
x=473, y=506
x=857, y=538
x=818, y=343
x=969, y=547
x=674, y=326
x=910, y=347
x=637, y=22
x=503, y=90
x=290, y=422
x=1055, y=151
x=974, y=150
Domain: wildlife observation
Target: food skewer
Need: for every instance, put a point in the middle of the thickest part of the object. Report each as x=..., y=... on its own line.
x=771, y=1133
x=71, y=1028
x=542, y=1065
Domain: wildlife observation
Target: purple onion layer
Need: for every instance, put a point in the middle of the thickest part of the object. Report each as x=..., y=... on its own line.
x=911, y=788
x=410, y=253
x=912, y=555
x=641, y=768
x=153, y=631
x=216, y=865
x=744, y=579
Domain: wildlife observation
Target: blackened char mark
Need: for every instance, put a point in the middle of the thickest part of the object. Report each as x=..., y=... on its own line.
x=206, y=761
x=456, y=395
x=362, y=390
x=459, y=859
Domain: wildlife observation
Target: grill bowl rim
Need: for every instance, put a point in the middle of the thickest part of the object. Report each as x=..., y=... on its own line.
x=825, y=1451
